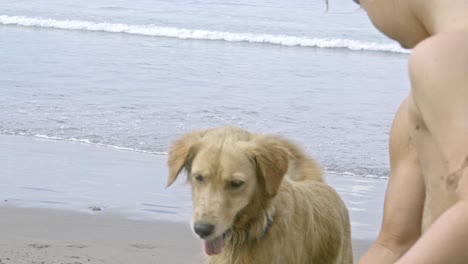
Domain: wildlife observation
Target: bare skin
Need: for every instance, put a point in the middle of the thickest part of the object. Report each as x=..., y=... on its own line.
x=426, y=205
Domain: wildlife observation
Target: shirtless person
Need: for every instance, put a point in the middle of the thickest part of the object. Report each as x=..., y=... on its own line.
x=426, y=205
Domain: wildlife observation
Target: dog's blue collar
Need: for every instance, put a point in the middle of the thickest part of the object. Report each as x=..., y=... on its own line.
x=267, y=226
x=269, y=222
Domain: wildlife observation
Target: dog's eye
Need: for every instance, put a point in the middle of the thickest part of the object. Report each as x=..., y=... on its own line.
x=235, y=184
x=199, y=178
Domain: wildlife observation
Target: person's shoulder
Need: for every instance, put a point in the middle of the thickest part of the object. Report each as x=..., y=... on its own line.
x=441, y=16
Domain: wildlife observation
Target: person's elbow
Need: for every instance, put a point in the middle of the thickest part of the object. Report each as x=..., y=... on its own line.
x=398, y=239
x=392, y=243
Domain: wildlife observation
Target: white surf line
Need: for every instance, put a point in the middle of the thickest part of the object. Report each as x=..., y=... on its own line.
x=196, y=34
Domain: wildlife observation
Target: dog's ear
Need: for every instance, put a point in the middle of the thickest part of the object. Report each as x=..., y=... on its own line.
x=181, y=154
x=271, y=159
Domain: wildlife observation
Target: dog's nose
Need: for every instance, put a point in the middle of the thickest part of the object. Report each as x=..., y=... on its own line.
x=203, y=229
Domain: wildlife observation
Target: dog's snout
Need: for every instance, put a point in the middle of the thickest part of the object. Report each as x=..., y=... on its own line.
x=203, y=229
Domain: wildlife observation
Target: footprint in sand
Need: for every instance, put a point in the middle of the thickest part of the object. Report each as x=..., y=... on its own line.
x=77, y=246
x=143, y=246
x=39, y=246
x=74, y=262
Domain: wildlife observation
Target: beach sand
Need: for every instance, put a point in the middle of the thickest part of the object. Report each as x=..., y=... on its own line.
x=41, y=236
x=45, y=216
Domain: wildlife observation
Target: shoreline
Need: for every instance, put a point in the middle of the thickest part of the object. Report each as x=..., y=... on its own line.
x=57, y=196
x=72, y=176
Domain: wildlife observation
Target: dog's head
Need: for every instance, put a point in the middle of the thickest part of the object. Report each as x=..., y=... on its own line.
x=227, y=169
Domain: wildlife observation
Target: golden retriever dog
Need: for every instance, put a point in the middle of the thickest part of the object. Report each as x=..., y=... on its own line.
x=259, y=199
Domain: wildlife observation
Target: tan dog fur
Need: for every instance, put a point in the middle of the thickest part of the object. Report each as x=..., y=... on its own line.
x=310, y=221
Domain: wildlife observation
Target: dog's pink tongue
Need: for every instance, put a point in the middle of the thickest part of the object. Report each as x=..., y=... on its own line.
x=214, y=247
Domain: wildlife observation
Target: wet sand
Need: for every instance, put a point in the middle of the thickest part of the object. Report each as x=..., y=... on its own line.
x=47, y=188
x=41, y=236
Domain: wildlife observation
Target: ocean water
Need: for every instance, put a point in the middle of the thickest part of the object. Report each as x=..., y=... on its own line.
x=72, y=176
x=135, y=75
x=138, y=74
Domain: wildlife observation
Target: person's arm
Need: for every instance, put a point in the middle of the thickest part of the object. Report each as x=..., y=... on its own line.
x=404, y=200
x=438, y=72
x=446, y=240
